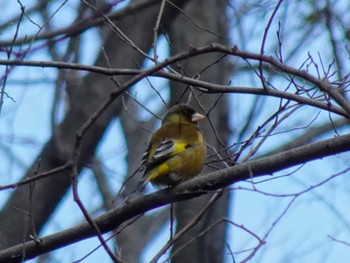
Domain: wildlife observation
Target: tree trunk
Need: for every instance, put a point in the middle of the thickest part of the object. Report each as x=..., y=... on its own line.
x=25, y=206
x=186, y=34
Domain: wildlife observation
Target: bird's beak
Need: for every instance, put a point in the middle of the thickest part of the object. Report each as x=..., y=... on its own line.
x=197, y=117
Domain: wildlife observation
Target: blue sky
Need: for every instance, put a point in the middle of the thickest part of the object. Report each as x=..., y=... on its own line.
x=301, y=236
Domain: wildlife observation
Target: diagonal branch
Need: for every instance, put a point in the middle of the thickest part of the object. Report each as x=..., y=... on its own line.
x=187, y=190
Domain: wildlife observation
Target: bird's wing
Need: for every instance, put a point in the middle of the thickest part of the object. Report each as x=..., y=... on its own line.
x=166, y=149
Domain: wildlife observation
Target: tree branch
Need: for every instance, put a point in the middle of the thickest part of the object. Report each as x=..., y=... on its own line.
x=187, y=190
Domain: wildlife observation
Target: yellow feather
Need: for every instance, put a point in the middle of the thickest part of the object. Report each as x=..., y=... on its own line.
x=179, y=147
x=172, y=163
x=161, y=169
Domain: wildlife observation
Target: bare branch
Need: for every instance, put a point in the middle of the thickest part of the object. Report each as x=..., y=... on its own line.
x=193, y=188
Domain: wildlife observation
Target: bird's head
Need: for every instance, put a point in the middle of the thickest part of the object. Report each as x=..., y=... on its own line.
x=183, y=114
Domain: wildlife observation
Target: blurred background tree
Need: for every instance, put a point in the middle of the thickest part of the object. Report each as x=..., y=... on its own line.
x=255, y=107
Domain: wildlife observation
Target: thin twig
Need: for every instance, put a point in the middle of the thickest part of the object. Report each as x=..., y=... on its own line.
x=185, y=229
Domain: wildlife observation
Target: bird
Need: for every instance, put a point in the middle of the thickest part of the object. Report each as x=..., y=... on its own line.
x=177, y=150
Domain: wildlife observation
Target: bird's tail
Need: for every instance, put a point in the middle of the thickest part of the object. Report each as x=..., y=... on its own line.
x=125, y=194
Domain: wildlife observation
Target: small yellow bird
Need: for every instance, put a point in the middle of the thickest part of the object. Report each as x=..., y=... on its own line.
x=177, y=150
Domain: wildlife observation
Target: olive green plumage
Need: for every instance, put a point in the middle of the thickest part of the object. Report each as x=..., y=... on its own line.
x=177, y=150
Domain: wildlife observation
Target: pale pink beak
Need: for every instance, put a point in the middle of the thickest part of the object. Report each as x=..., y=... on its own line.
x=197, y=117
